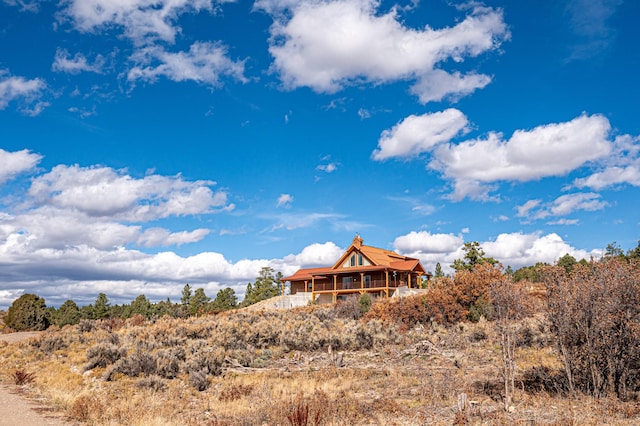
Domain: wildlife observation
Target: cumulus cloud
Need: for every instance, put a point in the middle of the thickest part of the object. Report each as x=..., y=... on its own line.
x=64, y=62
x=547, y=150
x=285, y=200
x=317, y=254
x=20, y=89
x=150, y=26
x=476, y=166
x=515, y=249
x=425, y=242
x=14, y=163
x=142, y=21
x=621, y=168
x=417, y=134
x=103, y=191
x=327, y=45
x=204, y=63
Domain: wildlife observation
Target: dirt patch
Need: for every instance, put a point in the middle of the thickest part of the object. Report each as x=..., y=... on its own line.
x=17, y=337
x=15, y=408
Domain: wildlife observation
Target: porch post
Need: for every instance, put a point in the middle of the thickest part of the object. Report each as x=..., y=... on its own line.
x=313, y=289
x=386, y=290
x=361, y=279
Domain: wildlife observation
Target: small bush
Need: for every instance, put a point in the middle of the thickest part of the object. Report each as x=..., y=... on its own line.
x=348, y=309
x=86, y=326
x=136, y=364
x=49, y=345
x=235, y=392
x=22, y=377
x=85, y=407
x=153, y=383
x=365, y=303
x=199, y=380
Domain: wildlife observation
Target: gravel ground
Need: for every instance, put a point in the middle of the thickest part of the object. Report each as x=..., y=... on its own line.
x=15, y=408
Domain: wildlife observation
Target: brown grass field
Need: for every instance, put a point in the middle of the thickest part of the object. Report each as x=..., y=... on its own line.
x=310, y=366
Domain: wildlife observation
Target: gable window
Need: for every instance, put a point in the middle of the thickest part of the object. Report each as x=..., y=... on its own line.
x=359, y=259
x=353, y=260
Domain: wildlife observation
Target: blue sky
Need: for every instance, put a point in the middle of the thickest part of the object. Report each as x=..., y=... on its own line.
x=146, y=144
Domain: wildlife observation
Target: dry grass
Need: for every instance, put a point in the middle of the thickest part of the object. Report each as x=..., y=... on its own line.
x=306, y=367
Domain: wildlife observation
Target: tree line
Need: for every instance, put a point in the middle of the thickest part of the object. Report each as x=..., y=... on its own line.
x=30, y=312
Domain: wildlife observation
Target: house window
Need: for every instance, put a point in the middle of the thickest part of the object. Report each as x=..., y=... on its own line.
x=353, y=260
x=359, y=259
x=367, y=281
x=347, y=282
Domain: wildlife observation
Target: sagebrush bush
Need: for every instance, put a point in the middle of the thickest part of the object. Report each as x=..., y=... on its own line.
x=102, y=355
x=199, y=380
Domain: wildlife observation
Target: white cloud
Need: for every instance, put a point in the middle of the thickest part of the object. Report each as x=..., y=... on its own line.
x=424, y=242
x=204, y=63
x=25, y=5
x=514, y=249
x=285, y=200
x=417, y=134
x=517, y=249
x=15, y=88
x=564, y=221
x=143, y=21
x=14, y=163
x=567, y=204
x=318, y=255
x=562, y=206
x=105, y=192
x=523, y=210
x=305, y=220
x=436, y=85
x=76, y=64
x=151, y=26
x=611, y=176
x=154, y=237
x=328, y=168
x=327, y=45
x=547, y=150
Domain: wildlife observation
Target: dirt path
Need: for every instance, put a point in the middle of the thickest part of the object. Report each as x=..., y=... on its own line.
x=16, y=409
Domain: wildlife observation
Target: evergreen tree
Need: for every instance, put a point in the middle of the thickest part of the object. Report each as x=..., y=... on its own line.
x=198, y=302
x=186, y=295
x=28, y=312
x=635, y=253
x=567, y=262
x=473, y=255
x=225, y=299
x=102, y=307
x=438, y=273
x=267, y=285
x=142, y=306
x=67, y=314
